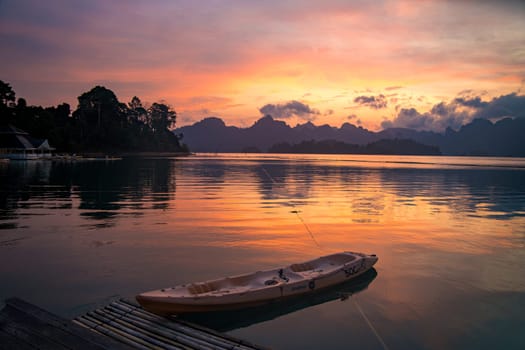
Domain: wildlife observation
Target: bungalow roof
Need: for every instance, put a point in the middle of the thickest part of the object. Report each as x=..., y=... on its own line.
x=17, y=139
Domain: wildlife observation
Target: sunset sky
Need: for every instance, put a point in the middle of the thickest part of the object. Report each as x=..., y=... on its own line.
x=421, y=64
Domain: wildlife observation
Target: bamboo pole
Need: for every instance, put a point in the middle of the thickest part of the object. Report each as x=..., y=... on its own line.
x=140, y=332
x=214, y=338
x=146, y=341
x=108, y=331
x=182, y=323
x=165, y=332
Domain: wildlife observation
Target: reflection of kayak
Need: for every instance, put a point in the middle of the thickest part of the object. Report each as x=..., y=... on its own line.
x=225, y=321
x=259, y=287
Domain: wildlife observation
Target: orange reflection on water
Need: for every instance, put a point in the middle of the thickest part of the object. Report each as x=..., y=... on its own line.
x=449, y=238
x=334, y=210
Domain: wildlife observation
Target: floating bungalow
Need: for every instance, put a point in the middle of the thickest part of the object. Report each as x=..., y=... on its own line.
x=17, y=144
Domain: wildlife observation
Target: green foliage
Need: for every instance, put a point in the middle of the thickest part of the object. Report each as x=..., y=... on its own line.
x=101, y=123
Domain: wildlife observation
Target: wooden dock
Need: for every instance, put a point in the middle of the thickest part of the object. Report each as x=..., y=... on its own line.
x=122, y=324
x=25, y=326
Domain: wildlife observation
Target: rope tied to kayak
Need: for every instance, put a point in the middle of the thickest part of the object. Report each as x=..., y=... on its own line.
x=295, y=211
x=346, y=296
x=369, y=323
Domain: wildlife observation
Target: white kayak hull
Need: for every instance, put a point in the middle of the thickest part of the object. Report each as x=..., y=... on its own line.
x=257, y=288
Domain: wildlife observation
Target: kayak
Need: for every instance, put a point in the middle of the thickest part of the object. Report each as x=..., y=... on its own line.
x=228, y=320
x=257, y=288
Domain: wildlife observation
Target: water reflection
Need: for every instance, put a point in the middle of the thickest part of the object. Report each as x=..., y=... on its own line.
x=284, y=181
x=17, y=181
x=101, y=190
x=450, y=239
x=228, y=320
x=496, y=193
x=108, y=190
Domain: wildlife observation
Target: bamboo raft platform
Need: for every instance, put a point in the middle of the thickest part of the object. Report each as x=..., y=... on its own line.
x=25, y=326
x=123, y=324
x=127, y=322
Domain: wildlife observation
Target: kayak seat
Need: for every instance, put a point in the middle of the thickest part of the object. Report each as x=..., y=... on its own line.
x=340, y=259
x=201, y=288
x=302, y=267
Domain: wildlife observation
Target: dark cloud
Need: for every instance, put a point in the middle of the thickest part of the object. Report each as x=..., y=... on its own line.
x=459, y=111
x=511, y=105
x=354, y=119
x=409, y=118
x=440, y=117
x=375, y=102
x=472, y=102
x=289, y=109
x=393, y=88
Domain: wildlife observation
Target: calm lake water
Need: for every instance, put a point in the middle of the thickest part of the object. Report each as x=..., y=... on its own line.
x=449, y=233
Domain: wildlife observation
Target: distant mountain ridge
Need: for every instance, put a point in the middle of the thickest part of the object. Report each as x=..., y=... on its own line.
x=384, y=146
x=480, y=137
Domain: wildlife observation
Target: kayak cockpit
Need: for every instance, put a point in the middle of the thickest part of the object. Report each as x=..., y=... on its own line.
x=239, y=284
x=324, y=264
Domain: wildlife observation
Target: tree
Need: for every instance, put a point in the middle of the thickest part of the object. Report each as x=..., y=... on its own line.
x=7, y=102
x=102, y=119
x=135, y=103
x=21, y=103
x=99, y=124
x=137, y=111
x=63, y=111
x=162, y=117
x=98, y=106
x=7, y=95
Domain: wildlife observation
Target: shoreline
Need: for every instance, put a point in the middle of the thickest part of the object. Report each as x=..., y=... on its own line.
x=132, y=154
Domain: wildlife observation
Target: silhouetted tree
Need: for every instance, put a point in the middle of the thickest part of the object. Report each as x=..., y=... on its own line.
x=7, y=98
x=7, y=95
x=21, y=103
x=162, y=117
x=136, y=104
x=137, y=111
x=63, y=111
x=99, y=124
x=98, y=105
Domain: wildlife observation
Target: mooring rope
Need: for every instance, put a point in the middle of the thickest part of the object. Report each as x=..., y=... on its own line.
x=295, y=211
x=370, y=325
x=368, y=322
